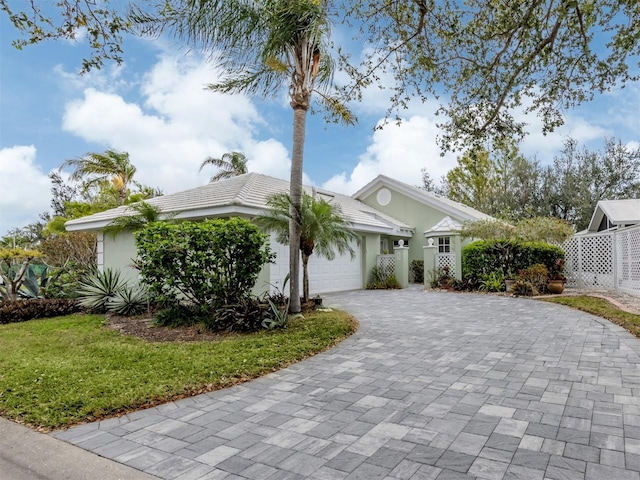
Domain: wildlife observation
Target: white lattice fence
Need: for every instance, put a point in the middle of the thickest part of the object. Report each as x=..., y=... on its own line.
x=387, y=263
x=446, y=261
x=589, y=261
x=628, y=259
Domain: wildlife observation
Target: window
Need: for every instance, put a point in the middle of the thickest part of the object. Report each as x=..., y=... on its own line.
x=444, y=244
x=396, y=243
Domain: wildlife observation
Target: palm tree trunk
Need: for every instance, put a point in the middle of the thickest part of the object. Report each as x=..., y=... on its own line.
x=305, y=278
x=299, y=122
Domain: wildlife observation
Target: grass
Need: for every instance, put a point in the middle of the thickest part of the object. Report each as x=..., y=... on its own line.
x=58, y=372
x=602, y=308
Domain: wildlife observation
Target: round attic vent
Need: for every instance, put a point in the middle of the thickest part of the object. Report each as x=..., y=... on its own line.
x=384, y=196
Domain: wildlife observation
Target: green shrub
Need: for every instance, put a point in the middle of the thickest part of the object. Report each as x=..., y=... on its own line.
x=23, y=310
x=493, y=282
x=441, y=278
x=246, y=315
x=382, y=278
x=537, y=275
x=416, y=269
x=391, y=283
x=482, y=257
x=523, y=288
x=177, y=315
x=209, y=264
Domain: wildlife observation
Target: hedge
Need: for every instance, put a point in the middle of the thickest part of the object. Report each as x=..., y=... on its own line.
x=509, y=257
x=23, y=310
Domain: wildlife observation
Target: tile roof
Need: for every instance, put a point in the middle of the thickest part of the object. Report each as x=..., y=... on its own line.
x=245, y=194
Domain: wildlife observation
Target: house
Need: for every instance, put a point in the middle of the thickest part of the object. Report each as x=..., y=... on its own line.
x=387, y=214
x=607, y=254
x=615, y=214
x=435, y=219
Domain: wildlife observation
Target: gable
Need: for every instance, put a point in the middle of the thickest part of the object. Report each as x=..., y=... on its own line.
x=387, y=194
x=615, y=213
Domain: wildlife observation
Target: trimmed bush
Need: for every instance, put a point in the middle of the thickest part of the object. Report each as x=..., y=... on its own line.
x=23, y=310
x=212, y=265
x=482, y=257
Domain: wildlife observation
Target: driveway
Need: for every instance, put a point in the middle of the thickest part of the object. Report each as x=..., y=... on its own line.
x=433, y=386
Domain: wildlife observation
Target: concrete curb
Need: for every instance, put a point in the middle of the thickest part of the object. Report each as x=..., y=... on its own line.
x=29, y=455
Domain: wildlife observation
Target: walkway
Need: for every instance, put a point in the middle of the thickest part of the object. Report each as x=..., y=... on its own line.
x=433, y=386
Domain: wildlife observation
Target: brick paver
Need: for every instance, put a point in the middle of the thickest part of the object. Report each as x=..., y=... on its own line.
x=433, y=386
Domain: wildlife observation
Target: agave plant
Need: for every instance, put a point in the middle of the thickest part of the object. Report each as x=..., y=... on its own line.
x=97, y=289
x=34, y=285
x=129, y=300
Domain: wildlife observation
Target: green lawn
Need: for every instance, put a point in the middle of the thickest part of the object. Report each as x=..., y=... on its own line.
x=602, y=308
x=61, y=371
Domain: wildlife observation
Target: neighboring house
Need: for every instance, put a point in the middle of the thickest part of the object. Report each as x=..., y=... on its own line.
x=607, y=254
x=614, y=214
x=385, y=214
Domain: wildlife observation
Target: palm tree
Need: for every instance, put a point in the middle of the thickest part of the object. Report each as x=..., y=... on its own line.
x=323, y=230
x=231, y=164
x=144, y=215
x=95, y=168
x=262, y=46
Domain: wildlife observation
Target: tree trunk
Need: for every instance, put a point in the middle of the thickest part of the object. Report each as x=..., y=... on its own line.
x=299, y=121
x=305, y=278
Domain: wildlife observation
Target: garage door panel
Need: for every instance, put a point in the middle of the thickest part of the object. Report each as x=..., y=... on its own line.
x=340, y=274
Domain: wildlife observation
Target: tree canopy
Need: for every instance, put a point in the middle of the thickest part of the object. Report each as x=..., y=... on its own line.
x=485, y=58
x=507, y=185
x=490, y=58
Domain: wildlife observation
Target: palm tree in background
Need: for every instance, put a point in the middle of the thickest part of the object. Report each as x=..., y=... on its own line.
x=263, y=46
x=141, y=215
x=323, y=229
x=231, y=164
x=95, y=168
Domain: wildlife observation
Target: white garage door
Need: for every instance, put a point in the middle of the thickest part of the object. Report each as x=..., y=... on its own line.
x=337, y=275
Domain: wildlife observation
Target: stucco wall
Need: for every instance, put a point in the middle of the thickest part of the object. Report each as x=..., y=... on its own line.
x=119, y=253
x=411, y=212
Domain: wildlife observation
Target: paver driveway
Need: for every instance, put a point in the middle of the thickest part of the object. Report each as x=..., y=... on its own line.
x=433, y=386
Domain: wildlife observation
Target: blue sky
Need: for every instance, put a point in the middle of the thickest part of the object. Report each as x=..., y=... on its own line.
x=154, y=106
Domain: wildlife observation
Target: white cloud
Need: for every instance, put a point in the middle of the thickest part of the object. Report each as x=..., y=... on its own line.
x=25, y=188
x=398, y=151
x=545, y=146
x=175, y=125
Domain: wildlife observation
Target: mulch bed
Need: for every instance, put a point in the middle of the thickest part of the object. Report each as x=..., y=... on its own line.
x=142, y=327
